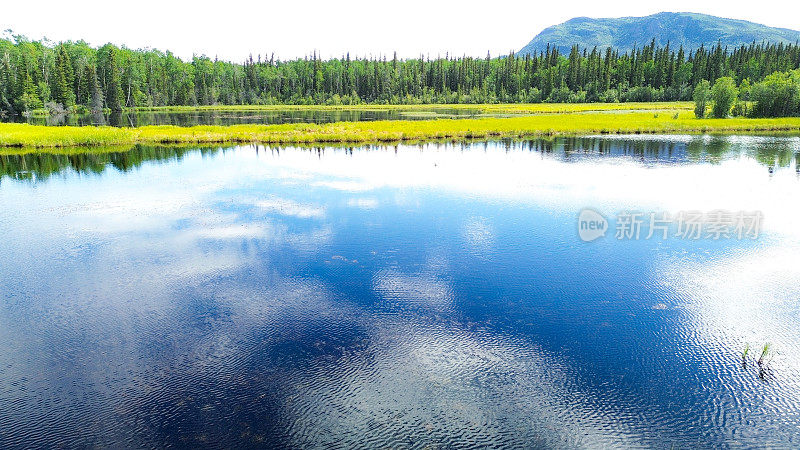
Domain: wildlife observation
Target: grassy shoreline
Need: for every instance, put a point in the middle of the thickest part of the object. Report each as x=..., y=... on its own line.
x=484, y=108
x=573, y=123
x=478, y=108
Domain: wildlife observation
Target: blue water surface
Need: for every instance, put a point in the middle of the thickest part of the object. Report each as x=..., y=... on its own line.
x=432, y=295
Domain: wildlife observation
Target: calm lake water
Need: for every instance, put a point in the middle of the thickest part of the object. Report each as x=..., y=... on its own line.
x=277, y=116
x=409, y=296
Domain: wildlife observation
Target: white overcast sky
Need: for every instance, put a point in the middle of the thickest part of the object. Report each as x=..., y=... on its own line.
x=232, y=29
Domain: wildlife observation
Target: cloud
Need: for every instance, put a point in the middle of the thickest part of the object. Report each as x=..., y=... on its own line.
x=363, y=203
x=237, y=231
x=344, y=185
x=287, y=207
x=424, y=382
x=413, y=289
x=479, y=236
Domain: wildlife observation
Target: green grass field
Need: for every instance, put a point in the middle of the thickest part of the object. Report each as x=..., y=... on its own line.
x=578, y=119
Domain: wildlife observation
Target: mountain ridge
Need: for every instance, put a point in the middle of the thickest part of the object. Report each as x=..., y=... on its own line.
x=690, y=30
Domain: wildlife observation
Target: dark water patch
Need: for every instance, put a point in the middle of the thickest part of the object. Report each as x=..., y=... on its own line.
x=243, y=116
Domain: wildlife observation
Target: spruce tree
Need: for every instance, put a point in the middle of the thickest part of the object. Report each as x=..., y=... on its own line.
x=96, y=94
x=28, y=98
x=114, y=94
x=63, y=79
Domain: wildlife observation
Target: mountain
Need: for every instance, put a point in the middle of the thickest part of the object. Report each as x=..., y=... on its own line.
x=687, y=29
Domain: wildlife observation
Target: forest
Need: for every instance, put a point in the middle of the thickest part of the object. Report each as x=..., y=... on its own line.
x=73, y=76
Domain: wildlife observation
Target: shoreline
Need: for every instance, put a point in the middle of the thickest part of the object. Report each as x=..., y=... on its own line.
x=524, y=126
x=496, y=108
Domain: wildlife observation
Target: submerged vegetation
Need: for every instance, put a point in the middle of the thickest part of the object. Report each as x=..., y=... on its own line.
x=762, y=359
x=24, y=135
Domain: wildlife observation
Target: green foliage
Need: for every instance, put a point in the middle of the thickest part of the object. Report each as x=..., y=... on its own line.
x=744, y=89
x=777, y=96
x=762, y=359
x=109, y=62
x=29, y=99
x=724, y=95
x=64, y=79
x=701, y=96
x=609, y=96
x=741, y=109
x=75, y=74
x=643, y=94
x=766, y=354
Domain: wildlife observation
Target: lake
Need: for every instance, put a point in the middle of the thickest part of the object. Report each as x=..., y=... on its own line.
x=440, y=295
x=244, y=116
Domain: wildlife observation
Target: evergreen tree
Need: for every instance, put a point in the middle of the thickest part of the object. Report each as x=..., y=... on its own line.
x=32, y=73
x=114, y=94
x=63, y=79
x=28, y=99
x=6, y=85
x=95, y=93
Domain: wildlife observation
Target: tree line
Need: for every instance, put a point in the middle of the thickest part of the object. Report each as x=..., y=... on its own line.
x=778, y=95
x=73, y=76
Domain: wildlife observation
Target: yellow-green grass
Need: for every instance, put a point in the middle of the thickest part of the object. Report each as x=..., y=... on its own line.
x=24, y=135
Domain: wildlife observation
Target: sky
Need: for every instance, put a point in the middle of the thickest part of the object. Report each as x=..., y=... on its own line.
x=233, y=29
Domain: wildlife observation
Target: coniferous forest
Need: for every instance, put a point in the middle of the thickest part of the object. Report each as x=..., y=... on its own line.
x=73, y=76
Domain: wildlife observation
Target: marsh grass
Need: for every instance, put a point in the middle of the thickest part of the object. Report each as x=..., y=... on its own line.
x=766, y=354
x=763, y=359
x=540, y=125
